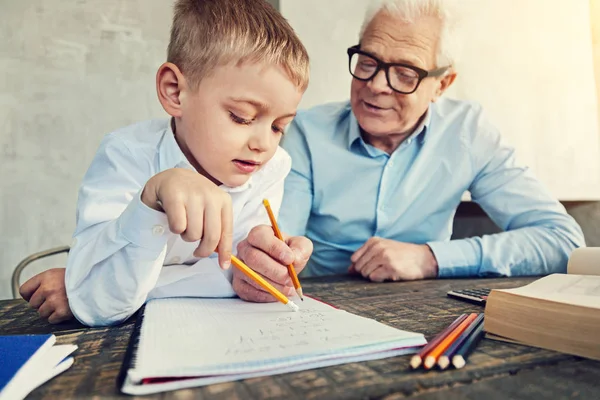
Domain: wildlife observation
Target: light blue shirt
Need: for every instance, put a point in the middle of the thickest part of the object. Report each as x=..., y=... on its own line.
x=342, y=191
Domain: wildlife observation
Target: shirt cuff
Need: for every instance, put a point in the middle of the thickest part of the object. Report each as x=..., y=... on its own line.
x=143, y=226
x=457, y=258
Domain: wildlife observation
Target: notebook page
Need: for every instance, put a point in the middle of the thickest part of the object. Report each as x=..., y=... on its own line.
x=131, y=387
x=584, y=261
x=191, y=337
x=581, y=290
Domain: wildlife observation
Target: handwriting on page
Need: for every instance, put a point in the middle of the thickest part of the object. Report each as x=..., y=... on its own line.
x=291, y=331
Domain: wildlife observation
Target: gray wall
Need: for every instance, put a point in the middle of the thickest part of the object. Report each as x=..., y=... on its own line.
x=71, y=72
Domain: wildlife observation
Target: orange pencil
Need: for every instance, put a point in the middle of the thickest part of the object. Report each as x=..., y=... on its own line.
x=291, y=270
x=417, y=359
x=433, y=355
x=263, y=283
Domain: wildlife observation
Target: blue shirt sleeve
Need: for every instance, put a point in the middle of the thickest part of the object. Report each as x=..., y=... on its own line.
x=298, y=193
x=539, y=234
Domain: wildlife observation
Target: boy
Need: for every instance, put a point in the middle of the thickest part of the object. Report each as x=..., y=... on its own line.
x=160, y=196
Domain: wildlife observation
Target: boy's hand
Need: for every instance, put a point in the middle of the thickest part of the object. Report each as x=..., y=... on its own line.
x=267, y=255
x=46, y=293
x=196, y=209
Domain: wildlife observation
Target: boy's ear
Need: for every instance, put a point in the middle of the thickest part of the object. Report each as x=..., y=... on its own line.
x=170, y=83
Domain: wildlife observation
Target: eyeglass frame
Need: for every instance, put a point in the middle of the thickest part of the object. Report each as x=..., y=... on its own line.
x=421, y=73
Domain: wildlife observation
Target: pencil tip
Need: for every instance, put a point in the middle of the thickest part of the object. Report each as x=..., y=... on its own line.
x=300, y=294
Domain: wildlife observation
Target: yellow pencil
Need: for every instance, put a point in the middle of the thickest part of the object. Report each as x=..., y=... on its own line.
x=263, y=283
x=291, y=270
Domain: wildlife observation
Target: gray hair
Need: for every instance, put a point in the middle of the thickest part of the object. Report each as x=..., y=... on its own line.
x=409, y=11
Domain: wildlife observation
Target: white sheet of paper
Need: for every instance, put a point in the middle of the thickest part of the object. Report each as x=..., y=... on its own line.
x=581, y=290
x=227, y=339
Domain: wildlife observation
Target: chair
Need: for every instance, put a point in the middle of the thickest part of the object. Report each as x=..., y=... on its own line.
x=16, y=277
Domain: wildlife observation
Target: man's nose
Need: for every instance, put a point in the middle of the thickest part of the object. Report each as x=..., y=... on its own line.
x=379, y=83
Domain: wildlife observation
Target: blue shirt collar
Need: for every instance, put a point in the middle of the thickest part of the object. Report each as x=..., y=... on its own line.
x=420, y=131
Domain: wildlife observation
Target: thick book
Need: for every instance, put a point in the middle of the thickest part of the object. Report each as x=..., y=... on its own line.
x=558, y=312
x=186, y=342
x=27, y=361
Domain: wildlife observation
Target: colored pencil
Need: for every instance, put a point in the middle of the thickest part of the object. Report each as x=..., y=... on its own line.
x=432, y=357
x=417, y=359
x=290, y=268
x=459, y=359
x=444, y=360
x=263, y=283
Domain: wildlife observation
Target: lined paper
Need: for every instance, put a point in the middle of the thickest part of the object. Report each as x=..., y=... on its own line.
x=226, y=339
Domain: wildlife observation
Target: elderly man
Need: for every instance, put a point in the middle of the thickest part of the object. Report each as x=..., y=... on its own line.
x=376, y=181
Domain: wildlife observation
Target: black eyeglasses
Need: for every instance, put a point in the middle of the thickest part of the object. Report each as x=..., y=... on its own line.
x=402, y=78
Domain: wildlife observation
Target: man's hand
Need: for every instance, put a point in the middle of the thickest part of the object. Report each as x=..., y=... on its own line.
x=383, y=259
x=46, y=293
x=267, y=255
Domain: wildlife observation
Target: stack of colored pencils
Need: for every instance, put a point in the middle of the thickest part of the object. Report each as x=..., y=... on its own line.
x=453, y=345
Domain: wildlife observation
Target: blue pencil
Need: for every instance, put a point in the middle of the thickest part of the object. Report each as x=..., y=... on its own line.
x=444, y=360
x=458, y=360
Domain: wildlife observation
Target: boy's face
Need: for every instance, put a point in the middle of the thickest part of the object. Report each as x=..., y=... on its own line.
x=231, y=126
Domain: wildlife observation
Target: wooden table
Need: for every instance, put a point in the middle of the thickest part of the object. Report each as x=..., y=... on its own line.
x=496, y=370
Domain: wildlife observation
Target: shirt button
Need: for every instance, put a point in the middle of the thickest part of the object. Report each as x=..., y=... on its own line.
x=408, y=141
x=158, y=230
x=175, y=260
x=390, y=164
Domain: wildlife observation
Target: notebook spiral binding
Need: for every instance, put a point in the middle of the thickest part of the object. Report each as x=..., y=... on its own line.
x=130, y=358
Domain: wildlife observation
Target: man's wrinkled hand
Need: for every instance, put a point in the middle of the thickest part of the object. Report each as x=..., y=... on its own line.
x=46, y=292
x=268, y=256
x=382, y=260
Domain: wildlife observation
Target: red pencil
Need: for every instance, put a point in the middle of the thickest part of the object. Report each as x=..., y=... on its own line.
x=417, y=359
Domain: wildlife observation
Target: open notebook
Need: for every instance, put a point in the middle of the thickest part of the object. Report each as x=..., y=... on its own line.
x=186, y=342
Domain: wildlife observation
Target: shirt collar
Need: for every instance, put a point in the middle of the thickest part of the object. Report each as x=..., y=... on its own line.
x=420, y=131
x=171, y=156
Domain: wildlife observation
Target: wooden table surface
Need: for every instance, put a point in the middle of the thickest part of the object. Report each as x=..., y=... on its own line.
x=496, y=370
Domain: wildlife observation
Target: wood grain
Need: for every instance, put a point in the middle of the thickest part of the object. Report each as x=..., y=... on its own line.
x=495, y=369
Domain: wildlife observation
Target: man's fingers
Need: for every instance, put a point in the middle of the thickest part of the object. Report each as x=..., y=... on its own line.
x=285, y=288
x=46, y=310
x=212, y=231
x=362, y=250
x=60, y=315
x=370, y=266
x=263, y=238
x=302, y=248
x=226, y=242
x=263, y=264
x=248, y=292
x=37, y=299
x=380, y=274
x=365, y=260
x=28, y=288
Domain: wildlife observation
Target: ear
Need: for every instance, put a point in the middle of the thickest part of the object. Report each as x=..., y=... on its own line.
x=170, y=85
x=444, y=83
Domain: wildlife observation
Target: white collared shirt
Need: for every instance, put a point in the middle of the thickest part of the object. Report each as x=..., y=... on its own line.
x=123, y=252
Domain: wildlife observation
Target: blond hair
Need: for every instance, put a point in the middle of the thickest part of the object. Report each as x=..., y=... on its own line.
x=209, y=33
